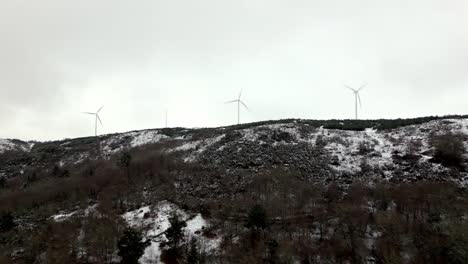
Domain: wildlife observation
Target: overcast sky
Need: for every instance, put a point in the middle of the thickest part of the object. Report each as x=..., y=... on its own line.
x=291, y=57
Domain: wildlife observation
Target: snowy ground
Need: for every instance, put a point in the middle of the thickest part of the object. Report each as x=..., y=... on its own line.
x=154, y=220
x=195, y=148
x=349, y=150
x=138, y=138
x=7, y=144
x=64, y=216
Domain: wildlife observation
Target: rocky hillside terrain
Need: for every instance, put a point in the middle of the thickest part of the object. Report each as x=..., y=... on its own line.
x=319, y=151
x=288, y=191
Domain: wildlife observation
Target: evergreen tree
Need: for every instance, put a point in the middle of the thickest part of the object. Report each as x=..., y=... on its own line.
x=257, y=218
x=175, y=233
x=124, y=162
x=193, y=256
x=131, y=247
x=457, y=250
x=6, y=222
x=2, y=182
x=56, y=170
x=272, y=248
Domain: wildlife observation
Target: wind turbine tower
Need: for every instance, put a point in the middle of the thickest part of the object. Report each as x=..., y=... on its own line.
x=97, y=118
x=357, y=98
x=239, y=103
x=166, y=117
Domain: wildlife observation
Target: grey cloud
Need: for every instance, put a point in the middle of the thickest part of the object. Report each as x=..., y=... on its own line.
x=292, y=58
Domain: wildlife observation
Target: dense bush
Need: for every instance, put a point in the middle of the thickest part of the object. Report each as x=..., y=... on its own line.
x=282, y=136
x=449, y=149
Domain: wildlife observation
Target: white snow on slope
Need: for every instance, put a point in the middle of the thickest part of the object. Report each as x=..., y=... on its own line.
x=188, y=146
x=351, y=147
x=382, y=145
x=197, y=147
x=249, y=135
x=193, y=229
x=138, y=138
x=154, y=220
x=146, y=137
x=459, y=125
x=7, y=144
x=62, y=216
x=342, y=145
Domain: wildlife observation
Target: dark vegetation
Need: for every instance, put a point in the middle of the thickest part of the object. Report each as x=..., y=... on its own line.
x=131, y=247
x=175, y=238
x=449, y=149
x=357, y=125
x=403, y=223
x=29, y=235
x=278, y=218
x=6, y=221
x=266, y=216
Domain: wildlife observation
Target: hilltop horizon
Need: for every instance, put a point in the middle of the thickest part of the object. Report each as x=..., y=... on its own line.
x=253, y=123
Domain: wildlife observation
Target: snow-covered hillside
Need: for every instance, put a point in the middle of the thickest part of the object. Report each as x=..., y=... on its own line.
x=317, y=151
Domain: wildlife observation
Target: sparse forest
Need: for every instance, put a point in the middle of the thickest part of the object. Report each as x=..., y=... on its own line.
x=74, y=213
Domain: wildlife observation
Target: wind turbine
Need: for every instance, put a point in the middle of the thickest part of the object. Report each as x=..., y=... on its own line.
x=166, y=117
x=96, y=119
x=357, y=97
x=239, y=103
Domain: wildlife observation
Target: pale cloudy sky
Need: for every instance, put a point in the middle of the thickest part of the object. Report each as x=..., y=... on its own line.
x=291, y=57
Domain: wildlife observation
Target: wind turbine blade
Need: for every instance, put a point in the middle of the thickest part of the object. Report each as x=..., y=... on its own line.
x=99, y=110
x=359, y=99
x=240, y=94
x=244, y=105
x=233, y=101
x=89, y=113
x=99, y=120
x=362, y=87
x=352, y=89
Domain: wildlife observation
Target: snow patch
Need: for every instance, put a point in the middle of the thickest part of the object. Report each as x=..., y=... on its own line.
x=117, y=143
x=67, y=216
x=7, y=145
x=146, y=137
x=199, y=146
x=154, y=221
x=249, y=135
x=63, y=217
